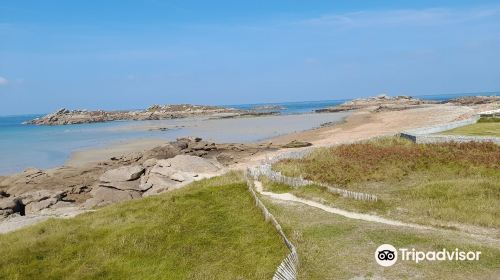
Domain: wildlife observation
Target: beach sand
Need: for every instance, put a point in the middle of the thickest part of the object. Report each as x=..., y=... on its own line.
x=232, y=130
x=358, y=125
x=82, y=167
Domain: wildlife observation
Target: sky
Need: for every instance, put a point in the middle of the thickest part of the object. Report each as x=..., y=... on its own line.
x=131, y=54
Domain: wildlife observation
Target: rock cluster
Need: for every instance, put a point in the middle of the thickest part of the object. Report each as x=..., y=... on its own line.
x=474, y=100
x=379, y=103
x=31, y=202
x=153, y=176
x=130, y=176
x=163, y=168
x=156, y=112
x=268, y=108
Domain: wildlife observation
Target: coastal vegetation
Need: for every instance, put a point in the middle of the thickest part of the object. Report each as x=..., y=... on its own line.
x=443, y=184
x=483, y=127
x=210, y=229
x=334, y=247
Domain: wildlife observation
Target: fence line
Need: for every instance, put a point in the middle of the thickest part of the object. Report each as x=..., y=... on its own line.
x=429, y=134
x=266, y=170
x=288, y=268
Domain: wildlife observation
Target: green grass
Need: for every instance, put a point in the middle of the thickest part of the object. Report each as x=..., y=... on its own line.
x=484, y=128
x=334, y=247
x=321, y=194
x=441, y=184
x=488, y=120
x=208, y=230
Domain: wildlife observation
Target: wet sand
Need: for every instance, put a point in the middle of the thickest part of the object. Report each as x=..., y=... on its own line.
x=234, y=130
x=349, y=127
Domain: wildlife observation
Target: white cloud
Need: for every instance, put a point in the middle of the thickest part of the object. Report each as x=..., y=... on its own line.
x=3, y=81
x=423, y=17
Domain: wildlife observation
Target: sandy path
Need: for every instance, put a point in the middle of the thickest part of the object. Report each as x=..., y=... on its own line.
x=341, y=212
x=288, y=197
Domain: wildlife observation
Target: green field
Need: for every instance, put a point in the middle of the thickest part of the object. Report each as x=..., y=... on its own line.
x=208, y=230
x=334, y=247
x=477, y=129
x=446, y=184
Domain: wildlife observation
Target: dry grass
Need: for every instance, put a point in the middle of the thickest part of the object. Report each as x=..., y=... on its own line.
x=431, y=183
x=334, y=247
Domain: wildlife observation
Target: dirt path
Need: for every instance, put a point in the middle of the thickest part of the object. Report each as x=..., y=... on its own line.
x=341, y=212
x=288, y=197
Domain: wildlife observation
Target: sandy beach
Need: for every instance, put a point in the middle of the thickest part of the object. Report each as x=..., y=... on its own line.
x=263, y=129
x=355, y=126
x=85, y=168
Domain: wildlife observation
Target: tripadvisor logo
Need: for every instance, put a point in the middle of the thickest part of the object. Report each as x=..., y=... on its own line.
x=387, y=255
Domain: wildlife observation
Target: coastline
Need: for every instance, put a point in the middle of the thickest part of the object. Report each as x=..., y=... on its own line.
x=86, y=166
x=357, y=125
x=208, y=129
x=92, y=155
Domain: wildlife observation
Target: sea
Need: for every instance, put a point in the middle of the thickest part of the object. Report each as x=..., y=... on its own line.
x=23, y=146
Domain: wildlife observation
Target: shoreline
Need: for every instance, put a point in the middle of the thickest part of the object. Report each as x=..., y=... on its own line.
x=50, y=146
x=358, y=125
x=318, y=136
x=82, y=157
x=78, y=176
x=91, y=155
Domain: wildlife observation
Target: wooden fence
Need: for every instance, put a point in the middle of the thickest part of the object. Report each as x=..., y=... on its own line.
x=265, y=169
x=287, y=270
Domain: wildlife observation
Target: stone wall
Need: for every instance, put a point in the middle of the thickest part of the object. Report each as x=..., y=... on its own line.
x=429, y=134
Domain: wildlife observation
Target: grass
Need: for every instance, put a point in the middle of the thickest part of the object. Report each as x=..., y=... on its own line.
x=334, y=247
x=488, y=120
x=208, y=230
x=321, y=194
x=441, y=184
x=483, y=128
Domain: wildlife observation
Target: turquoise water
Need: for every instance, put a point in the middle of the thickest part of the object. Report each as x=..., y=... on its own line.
x=23, y=146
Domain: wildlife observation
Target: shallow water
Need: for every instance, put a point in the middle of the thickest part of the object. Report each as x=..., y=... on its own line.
x=23, y=146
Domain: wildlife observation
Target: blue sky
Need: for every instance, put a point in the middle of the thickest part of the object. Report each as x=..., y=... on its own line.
x=130, y=54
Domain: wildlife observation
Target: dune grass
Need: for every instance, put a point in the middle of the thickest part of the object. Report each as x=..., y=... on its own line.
x=478, y=129
x=208, y=230
x=334, y=247
x=441, y=184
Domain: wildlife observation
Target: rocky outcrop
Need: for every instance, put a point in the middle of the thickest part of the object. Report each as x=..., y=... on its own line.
x=123, y=174
x=172, y=173
x=29, y=203
x=268, y=108
x=163, y=168
x=103, y=196
x=153, y=176
x=379, y=103
x=156, y=112
x=474, y=100
x=10, y=206
x=296, y=144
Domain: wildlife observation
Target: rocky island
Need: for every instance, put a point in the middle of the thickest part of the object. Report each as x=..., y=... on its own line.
x=156, y=112
x=475, y=100
x=378, y=103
